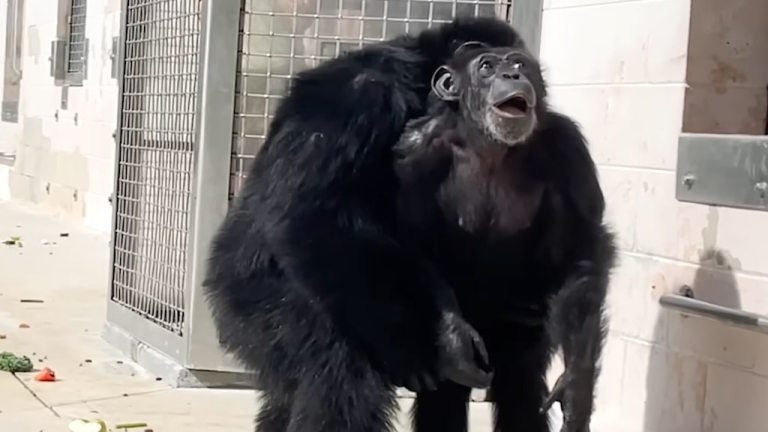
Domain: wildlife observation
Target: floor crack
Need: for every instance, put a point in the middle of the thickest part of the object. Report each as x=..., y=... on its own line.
x=107, y=398
x=32, y=392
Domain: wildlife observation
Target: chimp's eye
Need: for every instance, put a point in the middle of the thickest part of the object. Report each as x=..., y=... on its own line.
x=486, y=68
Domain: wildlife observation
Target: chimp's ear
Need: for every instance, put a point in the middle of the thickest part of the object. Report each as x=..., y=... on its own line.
x=443, y=84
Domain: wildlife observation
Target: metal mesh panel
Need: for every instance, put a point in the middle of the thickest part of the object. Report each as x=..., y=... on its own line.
x=155, y=158
x=279, y=38
x=76, y=53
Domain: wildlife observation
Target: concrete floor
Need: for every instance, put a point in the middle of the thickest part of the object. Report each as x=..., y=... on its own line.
x=68, y=283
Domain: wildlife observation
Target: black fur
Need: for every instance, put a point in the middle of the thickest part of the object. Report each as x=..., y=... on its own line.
x=518, y=233
x=306, y=280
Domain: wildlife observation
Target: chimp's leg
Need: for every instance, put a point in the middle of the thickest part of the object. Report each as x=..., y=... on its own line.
x=519, y=384
x=274, y=411
x=442, y=410
x=342, y=393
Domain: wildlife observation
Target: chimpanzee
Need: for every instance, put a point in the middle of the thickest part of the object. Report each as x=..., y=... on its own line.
x=500, y=194
x=308, y=284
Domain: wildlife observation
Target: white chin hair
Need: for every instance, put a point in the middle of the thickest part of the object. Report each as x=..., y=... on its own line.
x=509, y=138
x=501, y=134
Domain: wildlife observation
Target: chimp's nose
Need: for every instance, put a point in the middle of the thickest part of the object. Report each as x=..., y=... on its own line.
x=510, y=75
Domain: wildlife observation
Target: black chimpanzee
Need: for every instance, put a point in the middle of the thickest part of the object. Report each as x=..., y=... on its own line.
x=308, y=285
x=500, y=194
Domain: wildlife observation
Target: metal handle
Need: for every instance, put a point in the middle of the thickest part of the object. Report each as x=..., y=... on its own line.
x=730, y=316
x=15, y=66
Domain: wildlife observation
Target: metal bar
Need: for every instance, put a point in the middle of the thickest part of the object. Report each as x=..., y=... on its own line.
x=13, y=60
x=15, y=65
x=210, y=197
x=526, y=19
x=765, y=131
x=733, y=317
x=117, y=135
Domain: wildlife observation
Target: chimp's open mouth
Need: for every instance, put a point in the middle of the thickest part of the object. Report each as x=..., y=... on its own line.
x=513, y=106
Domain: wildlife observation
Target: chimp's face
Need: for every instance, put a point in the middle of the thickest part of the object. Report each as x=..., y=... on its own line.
x=500, y=89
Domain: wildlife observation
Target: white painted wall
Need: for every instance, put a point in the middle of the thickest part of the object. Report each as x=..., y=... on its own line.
x=64, y=164
x=620, y=68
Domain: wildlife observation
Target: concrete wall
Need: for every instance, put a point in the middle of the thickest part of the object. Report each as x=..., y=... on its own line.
x=63, y=157
x=621, y=68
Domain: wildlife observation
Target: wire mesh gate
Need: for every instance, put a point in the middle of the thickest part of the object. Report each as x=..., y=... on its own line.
x=281, y=38
x=198, y=87
x=159, y=65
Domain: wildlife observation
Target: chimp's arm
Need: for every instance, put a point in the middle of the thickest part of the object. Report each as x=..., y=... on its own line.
x=577, y=321
x=325, y=187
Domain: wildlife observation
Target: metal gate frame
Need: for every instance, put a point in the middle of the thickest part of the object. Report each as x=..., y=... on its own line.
x=196, y=348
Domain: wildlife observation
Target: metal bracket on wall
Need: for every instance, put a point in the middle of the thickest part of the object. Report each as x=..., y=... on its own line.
x=723, y=170
x=10, y=111
x=113, y=58
x=7, y=159
x=58, y=60
x=85, y=58
x=64, y=98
